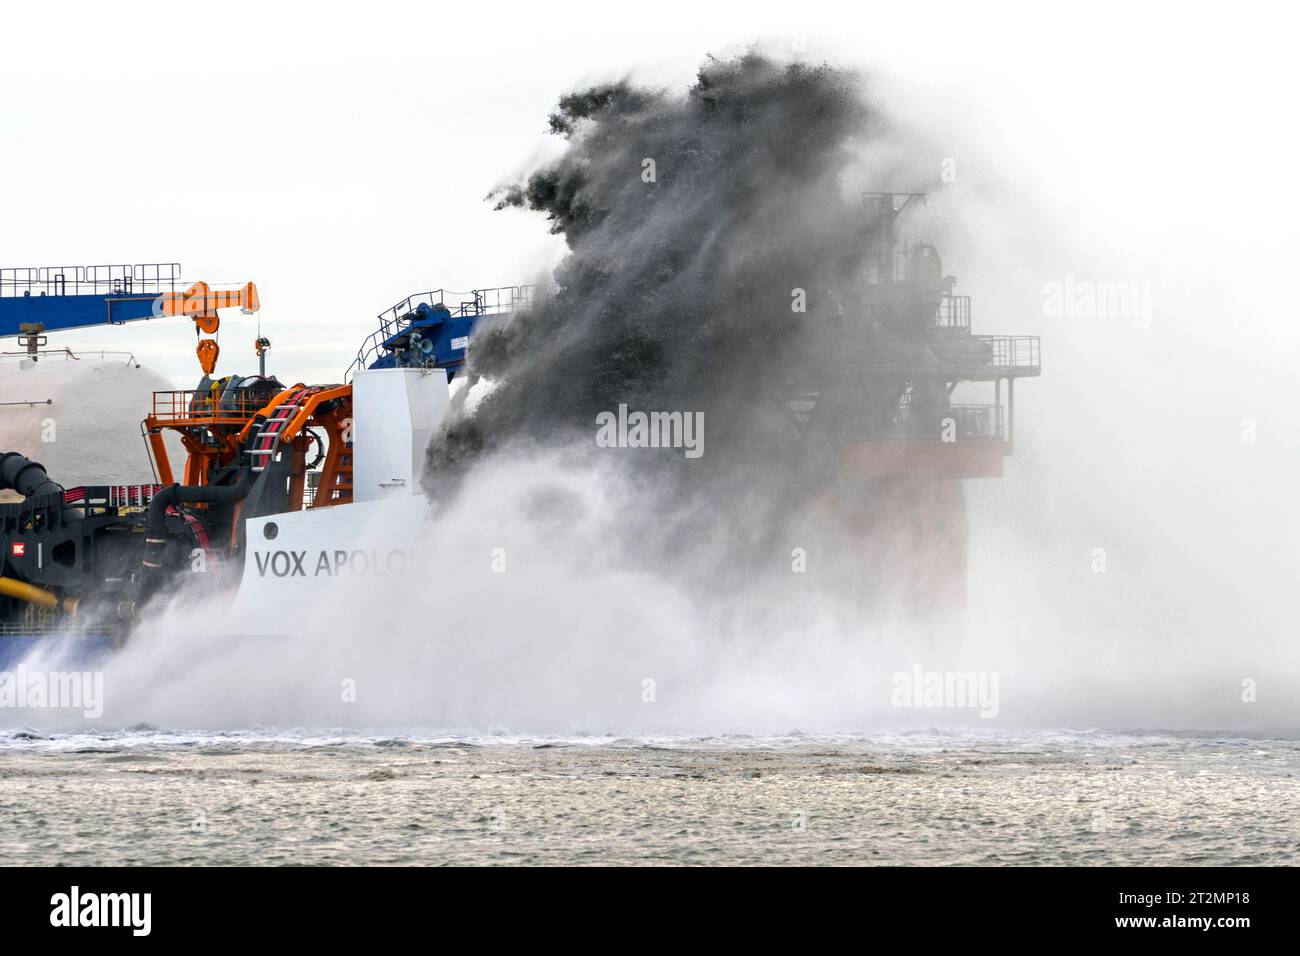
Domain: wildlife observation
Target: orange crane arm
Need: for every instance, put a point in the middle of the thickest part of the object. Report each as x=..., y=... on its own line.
x=200, y=303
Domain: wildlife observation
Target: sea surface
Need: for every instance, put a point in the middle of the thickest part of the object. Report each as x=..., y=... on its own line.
x=149, y=796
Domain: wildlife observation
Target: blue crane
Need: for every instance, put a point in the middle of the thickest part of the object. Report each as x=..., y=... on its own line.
x=37, y=300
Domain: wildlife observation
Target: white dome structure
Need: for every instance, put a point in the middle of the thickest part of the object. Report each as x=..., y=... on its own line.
x=80, y=417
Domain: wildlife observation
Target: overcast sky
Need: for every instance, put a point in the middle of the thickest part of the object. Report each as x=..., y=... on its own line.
x=338, y=154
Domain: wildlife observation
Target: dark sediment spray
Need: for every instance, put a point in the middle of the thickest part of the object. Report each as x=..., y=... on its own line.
x=709, y=234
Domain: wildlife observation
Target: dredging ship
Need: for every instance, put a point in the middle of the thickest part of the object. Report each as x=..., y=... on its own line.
x=280, y=483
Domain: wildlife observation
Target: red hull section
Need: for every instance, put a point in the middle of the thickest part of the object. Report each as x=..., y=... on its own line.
x=925, y=458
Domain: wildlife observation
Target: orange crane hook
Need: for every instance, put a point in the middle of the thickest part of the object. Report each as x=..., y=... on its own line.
x=200, y=303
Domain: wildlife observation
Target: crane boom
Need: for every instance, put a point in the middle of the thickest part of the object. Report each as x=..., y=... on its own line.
x=34, y=301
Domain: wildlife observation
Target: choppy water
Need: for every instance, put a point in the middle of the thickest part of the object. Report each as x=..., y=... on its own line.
x=150, y=797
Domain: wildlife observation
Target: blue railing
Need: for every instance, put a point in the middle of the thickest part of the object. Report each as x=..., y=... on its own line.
x=476, y=302
x=140, y=278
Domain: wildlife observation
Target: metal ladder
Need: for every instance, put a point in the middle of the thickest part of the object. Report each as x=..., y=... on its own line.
x=266, y=440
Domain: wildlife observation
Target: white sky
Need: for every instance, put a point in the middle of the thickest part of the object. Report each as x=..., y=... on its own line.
x=338, y=154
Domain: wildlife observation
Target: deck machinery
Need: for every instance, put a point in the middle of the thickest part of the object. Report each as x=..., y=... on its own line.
x=90, y=558
x=84, y=560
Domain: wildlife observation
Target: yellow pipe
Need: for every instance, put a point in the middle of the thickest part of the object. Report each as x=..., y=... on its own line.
x=34, y=595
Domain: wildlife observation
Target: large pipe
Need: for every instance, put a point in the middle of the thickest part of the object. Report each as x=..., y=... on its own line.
x=34, y=595
x=21, y=474
x=155, y=527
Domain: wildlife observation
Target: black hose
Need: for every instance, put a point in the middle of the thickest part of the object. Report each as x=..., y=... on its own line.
x=155, y=528
x=21, y=474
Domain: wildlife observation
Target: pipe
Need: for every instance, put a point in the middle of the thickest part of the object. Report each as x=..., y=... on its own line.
x=20, y=473
x=155, y=527
x=34, y=595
